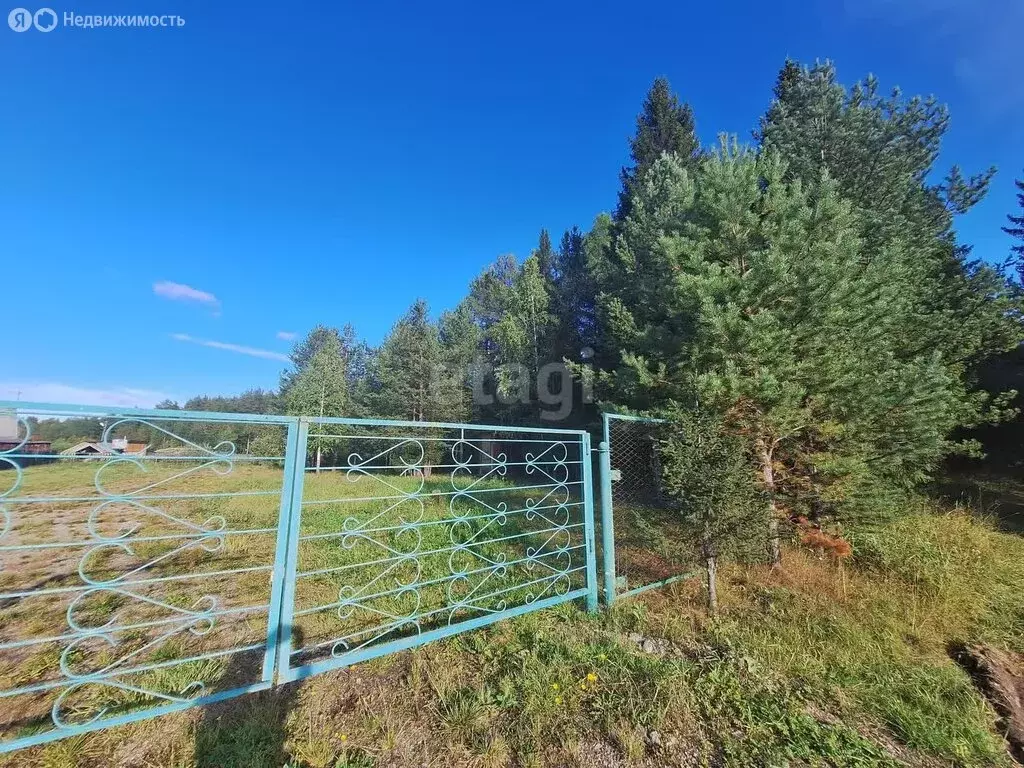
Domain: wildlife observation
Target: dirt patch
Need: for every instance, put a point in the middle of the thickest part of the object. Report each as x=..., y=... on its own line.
x=999, y=675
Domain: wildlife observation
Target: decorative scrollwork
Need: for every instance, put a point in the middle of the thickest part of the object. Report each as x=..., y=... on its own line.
x=394, y=622
x=463, y=452
x=212, y=543
x=86, y=658
x=359, y=467
x=211, y=525
x=188, y=694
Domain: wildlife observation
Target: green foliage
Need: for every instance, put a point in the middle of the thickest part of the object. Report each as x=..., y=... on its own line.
x=1016, y=231
x=511, y=305
x=750, y=295
x=707, y=471
x=408, y=368
x=881, y=151
x=663, y=126
x=319, y=388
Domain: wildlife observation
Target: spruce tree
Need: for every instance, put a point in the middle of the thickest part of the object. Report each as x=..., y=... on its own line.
x=460, y=341
x=1016, y=231
x=664, y=125
x=573, y=299
x=408, y=367
x=546, y=257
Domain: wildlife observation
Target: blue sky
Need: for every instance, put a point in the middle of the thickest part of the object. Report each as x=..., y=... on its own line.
x=253, y=173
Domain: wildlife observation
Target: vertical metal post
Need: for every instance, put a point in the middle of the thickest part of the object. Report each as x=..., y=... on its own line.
x=607, y=520
x=588, y=521
x=278, y=575
x=295, y=467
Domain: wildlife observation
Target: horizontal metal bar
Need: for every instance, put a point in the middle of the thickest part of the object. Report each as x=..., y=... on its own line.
x=64, y=409
x=662, y=583
x=409, y=468
x=134, y=540
x=371, y=652
x=134, y=583
x=67, y=409
x=443, y=609
x=144, y=457
x=452, y=548
x=469, y=492
x=132, y=717
x=453, y=440
x=629, y=417
x=429, y=523
x=438, y=425
x=115, y=673
x=441, y=580
x=179, y=618
x=130, y=497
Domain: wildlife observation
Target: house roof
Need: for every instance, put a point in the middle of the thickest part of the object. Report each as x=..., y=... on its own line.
x=105, y=449
x=102, y=448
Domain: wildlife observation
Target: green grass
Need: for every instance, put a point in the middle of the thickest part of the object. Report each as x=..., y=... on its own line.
x=807, y=665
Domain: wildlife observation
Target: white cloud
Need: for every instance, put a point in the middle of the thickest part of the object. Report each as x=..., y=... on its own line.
x=286, y=335
x=240, y=349
x=54, y=392
x=180, y=292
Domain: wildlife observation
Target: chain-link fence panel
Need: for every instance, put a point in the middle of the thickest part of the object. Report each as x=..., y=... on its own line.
x=645, y=539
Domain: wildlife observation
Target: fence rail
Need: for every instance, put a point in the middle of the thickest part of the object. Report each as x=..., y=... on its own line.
x=140, y=581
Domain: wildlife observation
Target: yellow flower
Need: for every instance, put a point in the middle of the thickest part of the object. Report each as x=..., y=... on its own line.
x=558, y=700
x=583, y=686
x=344, y=738
x=591, y=677
x=555, y=686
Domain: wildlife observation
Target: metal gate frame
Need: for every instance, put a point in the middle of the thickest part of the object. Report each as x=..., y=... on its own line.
x=276, y=665
x=611, y=586
x=287, y=672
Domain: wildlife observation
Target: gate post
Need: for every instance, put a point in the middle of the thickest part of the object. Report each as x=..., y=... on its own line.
x=588, y=521
x=295, y=467
x=275, y=612
x=607, y=522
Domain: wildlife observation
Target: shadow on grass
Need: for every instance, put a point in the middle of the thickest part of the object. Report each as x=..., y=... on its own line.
x=249, y=731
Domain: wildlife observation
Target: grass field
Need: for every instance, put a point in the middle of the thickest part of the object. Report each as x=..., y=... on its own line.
x=807, y=665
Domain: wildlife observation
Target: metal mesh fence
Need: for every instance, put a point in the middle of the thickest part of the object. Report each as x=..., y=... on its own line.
x=652, y=544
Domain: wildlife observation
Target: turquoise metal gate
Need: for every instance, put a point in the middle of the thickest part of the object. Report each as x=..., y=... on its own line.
x=179, y=558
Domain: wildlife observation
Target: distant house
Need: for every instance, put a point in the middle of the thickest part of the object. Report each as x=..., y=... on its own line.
x=32, y=452
x=116, y=447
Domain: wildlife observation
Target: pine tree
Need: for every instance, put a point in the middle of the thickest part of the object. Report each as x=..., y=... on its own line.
x=664, y=125
x=881, y=152
x=1016, y=231
x=752, y=297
